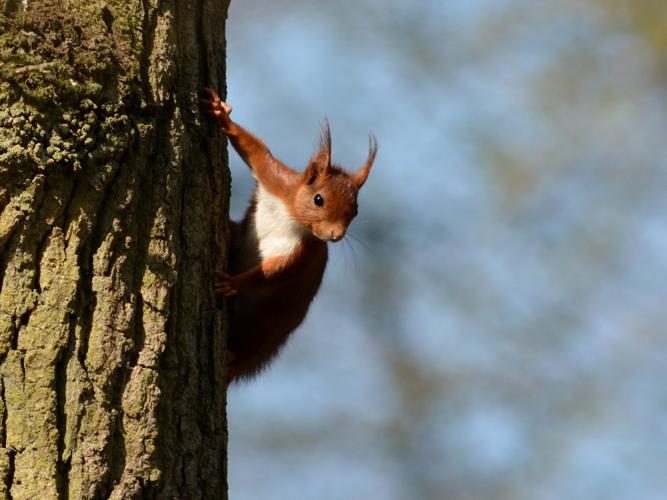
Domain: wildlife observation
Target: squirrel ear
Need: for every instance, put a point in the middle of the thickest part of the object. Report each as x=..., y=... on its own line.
x=361, y=177
x=320, y=163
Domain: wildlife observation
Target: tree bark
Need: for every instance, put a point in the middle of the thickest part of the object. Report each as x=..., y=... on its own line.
x=113, y=217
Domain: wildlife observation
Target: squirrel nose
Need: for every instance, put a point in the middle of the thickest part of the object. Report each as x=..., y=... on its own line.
x=337, y=235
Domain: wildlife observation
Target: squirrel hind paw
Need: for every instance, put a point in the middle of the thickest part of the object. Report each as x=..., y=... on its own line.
x=225, y=285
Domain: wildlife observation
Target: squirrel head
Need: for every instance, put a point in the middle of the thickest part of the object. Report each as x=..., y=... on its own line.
x=326, y=198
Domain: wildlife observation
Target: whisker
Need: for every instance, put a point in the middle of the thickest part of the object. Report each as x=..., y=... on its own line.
x=355, y=258
x=344, y=253
x=359, y=240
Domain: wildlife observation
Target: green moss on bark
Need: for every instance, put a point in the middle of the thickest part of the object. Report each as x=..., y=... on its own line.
x=112, y=222
x=59, y=53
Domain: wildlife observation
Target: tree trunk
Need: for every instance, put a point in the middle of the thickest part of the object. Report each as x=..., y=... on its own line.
x=113, y=217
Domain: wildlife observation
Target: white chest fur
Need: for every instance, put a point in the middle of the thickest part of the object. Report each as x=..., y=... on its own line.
x=276, y=230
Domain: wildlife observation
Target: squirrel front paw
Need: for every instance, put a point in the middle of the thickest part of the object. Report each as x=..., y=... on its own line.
x=226, y=285
x=217, y=108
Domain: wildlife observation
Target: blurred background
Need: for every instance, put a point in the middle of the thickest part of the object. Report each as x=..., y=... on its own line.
x=495, y=326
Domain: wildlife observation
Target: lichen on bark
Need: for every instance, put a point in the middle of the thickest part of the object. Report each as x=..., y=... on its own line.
x=113, y=203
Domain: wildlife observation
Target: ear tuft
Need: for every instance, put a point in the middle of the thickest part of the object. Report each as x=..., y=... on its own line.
x=325, y=140
x=320, y=163
x=361, y=177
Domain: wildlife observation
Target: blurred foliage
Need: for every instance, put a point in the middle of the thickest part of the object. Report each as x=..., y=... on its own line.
x=503, y=337
x=646, y=18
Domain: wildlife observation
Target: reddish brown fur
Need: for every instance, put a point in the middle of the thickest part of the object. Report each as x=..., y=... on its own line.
x=271, y=296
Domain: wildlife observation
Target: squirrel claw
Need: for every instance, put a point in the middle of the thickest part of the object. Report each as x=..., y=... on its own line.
x=219, y=110
x=225, y=290
x=214, y=102
x=225, y=285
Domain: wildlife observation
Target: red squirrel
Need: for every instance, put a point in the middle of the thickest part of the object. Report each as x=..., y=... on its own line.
x=279, y=250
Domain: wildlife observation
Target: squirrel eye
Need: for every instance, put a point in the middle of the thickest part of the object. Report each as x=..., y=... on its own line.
x=318, y=200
